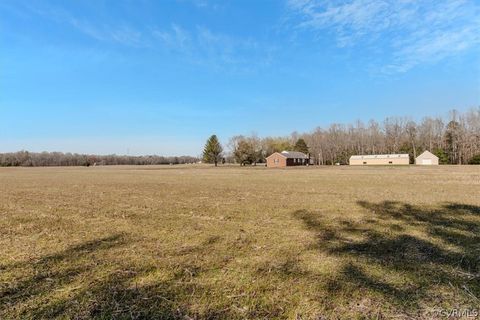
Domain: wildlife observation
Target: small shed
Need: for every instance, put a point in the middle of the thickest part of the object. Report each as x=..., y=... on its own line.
x=427, y=159
x=287, y=159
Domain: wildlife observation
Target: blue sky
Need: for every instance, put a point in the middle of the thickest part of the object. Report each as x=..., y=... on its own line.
x=159, y=77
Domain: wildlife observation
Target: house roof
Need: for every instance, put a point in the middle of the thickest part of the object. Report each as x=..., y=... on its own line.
x=291, y=155
x=427, y=154
x=294, y=154
x=380, y=156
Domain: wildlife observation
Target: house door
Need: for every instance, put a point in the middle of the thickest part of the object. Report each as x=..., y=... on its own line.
x=426, y=161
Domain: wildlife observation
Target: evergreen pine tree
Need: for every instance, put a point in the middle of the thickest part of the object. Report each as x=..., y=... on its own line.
x=212, y=153
x=442, y=156
x=301, y=146
x=452, y=134
x=475, y=159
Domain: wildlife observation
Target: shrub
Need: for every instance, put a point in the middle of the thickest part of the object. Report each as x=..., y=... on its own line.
x=475, y=159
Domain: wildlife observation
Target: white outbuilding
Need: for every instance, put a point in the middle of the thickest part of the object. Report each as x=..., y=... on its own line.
x=380, y=159
x=427, y=159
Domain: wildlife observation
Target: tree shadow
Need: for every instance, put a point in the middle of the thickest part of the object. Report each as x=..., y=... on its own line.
x=82, y=282
x=52, y=271
x=408, y=255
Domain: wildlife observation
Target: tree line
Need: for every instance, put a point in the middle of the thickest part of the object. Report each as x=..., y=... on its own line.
x=45, y=159
x=454, y=139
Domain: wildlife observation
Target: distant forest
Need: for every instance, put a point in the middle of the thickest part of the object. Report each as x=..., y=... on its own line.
x=45, y=159
x=454, y=139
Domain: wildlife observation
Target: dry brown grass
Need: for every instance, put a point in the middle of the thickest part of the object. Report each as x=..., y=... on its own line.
x=229, y=242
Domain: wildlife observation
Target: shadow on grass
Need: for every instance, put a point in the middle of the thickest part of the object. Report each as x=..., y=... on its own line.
x=82, y=282
x=408, y=255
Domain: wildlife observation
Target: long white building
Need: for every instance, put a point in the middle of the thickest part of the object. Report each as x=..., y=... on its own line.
x=380, y=159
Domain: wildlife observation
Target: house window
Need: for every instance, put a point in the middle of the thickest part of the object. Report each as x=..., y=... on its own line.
x=390, y=162
x=275, y=160
x=364, y=162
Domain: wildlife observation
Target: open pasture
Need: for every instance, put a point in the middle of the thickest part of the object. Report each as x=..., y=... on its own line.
x=229, y=242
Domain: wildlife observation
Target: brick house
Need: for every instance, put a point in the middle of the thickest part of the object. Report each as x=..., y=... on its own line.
x=287, y=159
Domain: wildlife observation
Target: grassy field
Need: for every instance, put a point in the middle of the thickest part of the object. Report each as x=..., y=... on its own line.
x=202, y=242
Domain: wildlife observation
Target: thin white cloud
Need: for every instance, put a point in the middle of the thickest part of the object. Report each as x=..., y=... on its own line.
x=200, y=3
x=204, y=4
x=412, y=32
x=123, y=35
x=120, y=34
x=220, y=51
x=175, y=38
x=198, y=44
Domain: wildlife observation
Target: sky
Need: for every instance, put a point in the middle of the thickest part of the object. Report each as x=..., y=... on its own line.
x=159, y=77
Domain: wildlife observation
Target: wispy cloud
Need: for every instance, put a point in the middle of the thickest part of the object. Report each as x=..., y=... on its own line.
x=121, y=34
x=174, y=38
x=411, y=32
x=205, y=4
x=204, y=46
x=197, y=44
